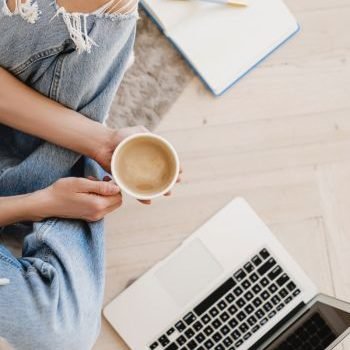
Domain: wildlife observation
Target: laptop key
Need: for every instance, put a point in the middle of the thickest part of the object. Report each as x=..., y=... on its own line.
x=217, y=337
x=256, y=260
x=291, y=286
x=172, y=346
x=199, y=337
x=256, y=289
x=216, y=324
x=283, y=293
x=271, y=314
x=208, y=344
x=181, y=340
x=189, y=333
x=249, y=309
x=239, y=343
x=224, y=330
x=254, y=277
x=219, y=347
x=280, y=307
x=239, y=275
x=252, y=320
x=264, y=254
x=247, y=335
x=255, y=328
x=241, y=316
x=235, y=334
x=288, y=300
x=249, y=296
x=240, y=302
x=248, y=267
x=230, y=298
x=180, y=326
x=197, y=326
x=189, y=318
x=263, y=321
x=214, y=296
x=227, y=341
x=232, y=309
x=191, y=345
x=296, y=292
x=238, y=291
x=274, y=273
x=259, y=314
x=265, y=295
x=233, y=323
x=264, y=282
x=170, y=331
x=163, y=340
x=214, y=311
x=208, y=330
x=154, y=346
x=257, y=302
x=205, y=319
x=222, y=305
x=272, y=288
x=282, y=280
x=243, y=327
x=266, y=266
x=224, y=316
x=275, y=299
x=267, y=307
x=246, y=284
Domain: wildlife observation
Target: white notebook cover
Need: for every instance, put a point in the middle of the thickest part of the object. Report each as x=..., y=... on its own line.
x=223, y=43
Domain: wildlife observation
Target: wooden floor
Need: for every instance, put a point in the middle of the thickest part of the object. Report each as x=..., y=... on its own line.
x=280, y=138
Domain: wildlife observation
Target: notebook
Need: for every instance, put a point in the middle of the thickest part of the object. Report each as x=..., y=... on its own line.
x=223, y=43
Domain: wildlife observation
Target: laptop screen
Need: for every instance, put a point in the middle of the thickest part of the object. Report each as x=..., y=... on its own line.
x=316, y=329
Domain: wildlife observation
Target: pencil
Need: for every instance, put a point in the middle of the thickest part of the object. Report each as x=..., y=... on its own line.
x=235, y=3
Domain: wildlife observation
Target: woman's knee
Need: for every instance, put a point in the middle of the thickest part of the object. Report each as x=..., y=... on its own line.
x=102, y=6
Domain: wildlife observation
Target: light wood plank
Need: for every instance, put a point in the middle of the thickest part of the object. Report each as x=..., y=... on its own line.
x=280, y=138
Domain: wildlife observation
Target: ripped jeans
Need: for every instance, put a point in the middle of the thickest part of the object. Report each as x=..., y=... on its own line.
x=54, y=297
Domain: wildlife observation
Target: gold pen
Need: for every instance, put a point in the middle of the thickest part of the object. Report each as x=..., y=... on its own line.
x=235, y=3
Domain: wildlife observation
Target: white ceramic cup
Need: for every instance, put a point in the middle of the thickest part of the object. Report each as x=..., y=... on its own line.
x=124, y=187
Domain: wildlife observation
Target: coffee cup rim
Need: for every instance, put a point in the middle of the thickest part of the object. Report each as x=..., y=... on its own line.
x=120, y=183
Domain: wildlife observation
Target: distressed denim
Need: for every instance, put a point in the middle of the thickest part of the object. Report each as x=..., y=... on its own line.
x=56, y=287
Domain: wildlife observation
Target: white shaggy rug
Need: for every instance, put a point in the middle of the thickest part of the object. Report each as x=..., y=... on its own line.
x=153, y=83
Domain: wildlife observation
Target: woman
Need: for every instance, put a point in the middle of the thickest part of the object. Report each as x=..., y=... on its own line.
x=76, y=57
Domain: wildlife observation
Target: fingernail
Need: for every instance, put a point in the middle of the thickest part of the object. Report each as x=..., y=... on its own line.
x=114, y=188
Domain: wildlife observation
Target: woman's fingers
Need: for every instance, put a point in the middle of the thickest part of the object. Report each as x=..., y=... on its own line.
x=102, y=188
x=145, y=201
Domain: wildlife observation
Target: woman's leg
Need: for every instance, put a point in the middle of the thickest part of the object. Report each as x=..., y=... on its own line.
x=56, y=288
x=55, y=293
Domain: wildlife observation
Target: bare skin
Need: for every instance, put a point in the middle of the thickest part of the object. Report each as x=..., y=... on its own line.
x=88, y=199
x=88, y=6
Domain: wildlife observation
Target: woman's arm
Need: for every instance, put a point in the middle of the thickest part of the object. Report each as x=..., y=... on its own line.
x=73, y=198
x=24, y=109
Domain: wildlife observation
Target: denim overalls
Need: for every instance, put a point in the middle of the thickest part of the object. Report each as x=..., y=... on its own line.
x=56, y=288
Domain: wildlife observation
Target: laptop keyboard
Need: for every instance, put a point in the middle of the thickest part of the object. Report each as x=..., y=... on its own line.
x=236, y=310
x=314, y=334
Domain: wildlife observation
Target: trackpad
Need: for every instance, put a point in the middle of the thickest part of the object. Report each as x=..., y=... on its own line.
x=186, y=274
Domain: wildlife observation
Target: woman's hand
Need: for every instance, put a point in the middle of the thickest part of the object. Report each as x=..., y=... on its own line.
x=103, y=155
x=77, y=198
x=70, y=198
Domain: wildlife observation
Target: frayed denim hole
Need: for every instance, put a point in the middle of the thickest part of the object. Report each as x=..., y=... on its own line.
x=28, y=10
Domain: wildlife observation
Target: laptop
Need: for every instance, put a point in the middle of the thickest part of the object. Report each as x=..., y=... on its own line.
x=230, y=285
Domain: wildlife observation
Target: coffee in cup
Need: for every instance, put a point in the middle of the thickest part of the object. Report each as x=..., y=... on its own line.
x=145, y=166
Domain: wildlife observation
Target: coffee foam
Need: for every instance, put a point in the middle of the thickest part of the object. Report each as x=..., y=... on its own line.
x=145, y=166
